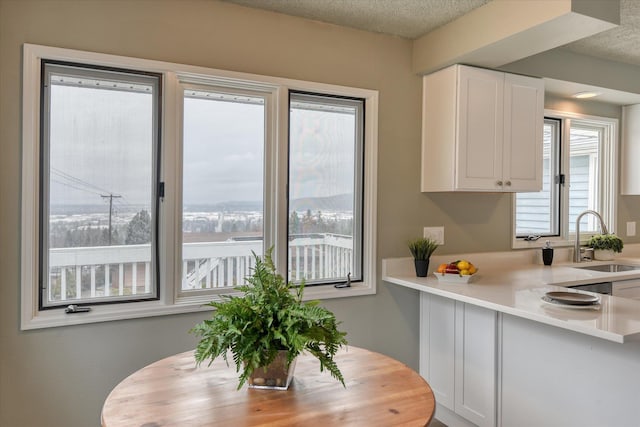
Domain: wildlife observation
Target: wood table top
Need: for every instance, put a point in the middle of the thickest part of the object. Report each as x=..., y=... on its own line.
x=380, y=391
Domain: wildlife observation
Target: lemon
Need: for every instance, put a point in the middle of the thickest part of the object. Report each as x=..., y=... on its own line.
x=463, y=265
x=472, y=269
x=465, y=273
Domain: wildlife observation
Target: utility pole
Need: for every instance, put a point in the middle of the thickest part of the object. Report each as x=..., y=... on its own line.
x=110, y=196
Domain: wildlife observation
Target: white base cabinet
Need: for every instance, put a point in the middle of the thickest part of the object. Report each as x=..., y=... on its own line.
x=493, y=369
x=556, y=378
x=458, y=359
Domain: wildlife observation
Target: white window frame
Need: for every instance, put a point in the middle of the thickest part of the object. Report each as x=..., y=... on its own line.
x=270, y=94
x=608, y=176
x=171, y=300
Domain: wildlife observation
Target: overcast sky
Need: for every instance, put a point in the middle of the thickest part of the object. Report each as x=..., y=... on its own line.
x=101, y=143
x=321, y=153
x=223, y=151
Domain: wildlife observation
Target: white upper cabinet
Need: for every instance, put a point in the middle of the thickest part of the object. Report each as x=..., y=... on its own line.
x=481, y=131
x=629, y=171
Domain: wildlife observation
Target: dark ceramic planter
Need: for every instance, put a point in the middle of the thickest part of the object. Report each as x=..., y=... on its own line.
x=547, y=256
x=422, y=265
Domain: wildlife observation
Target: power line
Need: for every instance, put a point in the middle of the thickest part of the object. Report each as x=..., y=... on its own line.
x=67, y=184
x=78, y=181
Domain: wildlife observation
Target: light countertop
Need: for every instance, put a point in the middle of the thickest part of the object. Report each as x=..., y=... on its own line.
x=512, y=283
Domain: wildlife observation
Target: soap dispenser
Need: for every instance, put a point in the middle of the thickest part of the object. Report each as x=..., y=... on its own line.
x=547, y=253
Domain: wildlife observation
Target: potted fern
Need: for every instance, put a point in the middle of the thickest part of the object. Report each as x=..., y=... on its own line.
x=605, y=246
x=421, y=249
x=267, y=327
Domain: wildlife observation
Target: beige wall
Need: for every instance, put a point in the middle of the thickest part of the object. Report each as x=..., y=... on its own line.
x=60, y=376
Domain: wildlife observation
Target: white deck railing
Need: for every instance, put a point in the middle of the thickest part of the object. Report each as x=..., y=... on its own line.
x=81, y=273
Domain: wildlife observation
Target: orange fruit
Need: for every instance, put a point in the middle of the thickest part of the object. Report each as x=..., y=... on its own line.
x=442, y=268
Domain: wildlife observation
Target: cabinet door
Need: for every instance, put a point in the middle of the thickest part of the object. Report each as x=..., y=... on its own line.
x=475, y=359
x=437, y=319
x=524, y=122
x=480, y=129
x=458, y=356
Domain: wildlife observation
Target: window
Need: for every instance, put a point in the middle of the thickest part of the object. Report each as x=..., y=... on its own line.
x=538, y=213
x=147, y=185
x=97, y=180
x=223, y=186
x=579, y=167
x=325, y=188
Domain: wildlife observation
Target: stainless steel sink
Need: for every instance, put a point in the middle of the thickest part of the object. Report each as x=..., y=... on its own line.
x=610, y=268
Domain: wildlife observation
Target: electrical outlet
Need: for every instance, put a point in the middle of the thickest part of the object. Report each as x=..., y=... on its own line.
x=631, y=228
x=434, y=233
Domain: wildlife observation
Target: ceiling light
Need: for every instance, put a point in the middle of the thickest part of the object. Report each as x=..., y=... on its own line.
x=583, y=95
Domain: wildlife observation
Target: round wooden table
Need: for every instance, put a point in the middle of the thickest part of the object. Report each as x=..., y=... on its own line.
x=380, y=391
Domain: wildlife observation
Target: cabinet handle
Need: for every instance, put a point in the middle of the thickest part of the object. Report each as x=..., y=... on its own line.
x=508, y=183
x=499, y=183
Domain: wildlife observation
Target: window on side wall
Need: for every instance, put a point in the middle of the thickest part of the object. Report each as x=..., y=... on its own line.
x=148, y=186
x=579, y=173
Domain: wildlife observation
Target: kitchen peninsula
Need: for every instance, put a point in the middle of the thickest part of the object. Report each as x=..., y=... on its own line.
x=496, y=354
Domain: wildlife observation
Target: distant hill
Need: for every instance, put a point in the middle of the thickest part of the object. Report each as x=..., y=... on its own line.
x=96, y=208
x=341, y=202
x=231, y=206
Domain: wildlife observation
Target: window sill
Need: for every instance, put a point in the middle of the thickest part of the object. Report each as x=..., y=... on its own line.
x=107, y=313
x=330, y=292
x=556, y=242
x=537, y=244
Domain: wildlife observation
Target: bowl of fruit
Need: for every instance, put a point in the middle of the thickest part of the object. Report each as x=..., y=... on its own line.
x=459, y=271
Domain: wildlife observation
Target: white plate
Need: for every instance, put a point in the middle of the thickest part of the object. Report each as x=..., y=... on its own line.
x=572, y=298
x=555, y=303
x=454, y=278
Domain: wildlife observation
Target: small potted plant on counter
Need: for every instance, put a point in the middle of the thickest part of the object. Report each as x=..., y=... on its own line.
x=605, y=246
x=267, y=327
x=421, y=249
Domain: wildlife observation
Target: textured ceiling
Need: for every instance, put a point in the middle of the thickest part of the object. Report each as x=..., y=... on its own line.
x=414, y=18
x=404, y=18
x=620, y=44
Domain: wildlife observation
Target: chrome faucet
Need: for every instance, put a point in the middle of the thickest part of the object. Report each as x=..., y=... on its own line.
x=603, y=229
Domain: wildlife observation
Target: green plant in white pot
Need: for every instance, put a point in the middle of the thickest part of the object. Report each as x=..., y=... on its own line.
x=421, y=249
x=267, y=327
x=605, y=246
